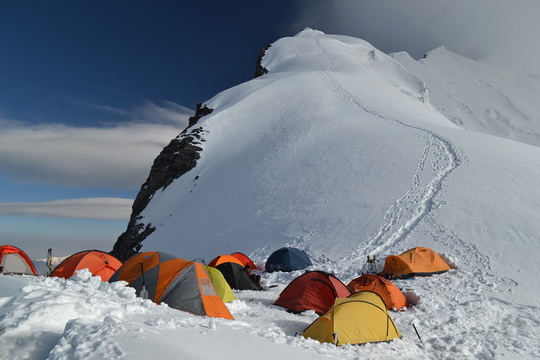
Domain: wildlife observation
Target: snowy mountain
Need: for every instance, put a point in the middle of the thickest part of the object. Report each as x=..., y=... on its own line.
x=339, y=150
x=478, y=96
x=345, y=152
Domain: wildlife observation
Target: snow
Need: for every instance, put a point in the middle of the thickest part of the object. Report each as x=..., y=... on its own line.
x=344, y=152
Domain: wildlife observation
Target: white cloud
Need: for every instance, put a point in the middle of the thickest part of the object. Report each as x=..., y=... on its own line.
x=114, y=156
x=500, y=30
x=89, y=208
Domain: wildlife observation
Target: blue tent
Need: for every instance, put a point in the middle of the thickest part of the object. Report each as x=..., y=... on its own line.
x=287, y=259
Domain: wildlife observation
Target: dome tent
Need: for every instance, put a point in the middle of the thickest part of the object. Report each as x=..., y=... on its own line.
x=313, y=290
x=287, y=259
x=147, y=260
x=244, y=259
x=15, y=261
x=235, y=272
x=387, y=290
x=221, y=285
x=181, y=284
x=223, y=259
x=358, y=319
x=418, y=261
x=99, y=263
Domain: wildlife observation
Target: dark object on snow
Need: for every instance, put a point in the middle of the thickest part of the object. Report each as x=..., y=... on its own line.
x=238, y=278
x=287, y=259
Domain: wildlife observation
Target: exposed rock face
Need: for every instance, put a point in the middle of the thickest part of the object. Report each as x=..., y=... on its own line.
x=259, y=69
x=177, y=158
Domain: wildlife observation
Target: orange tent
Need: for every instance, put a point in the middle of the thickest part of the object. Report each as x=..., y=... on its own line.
x=97, y=262
x=132, y=267
x=418, y=261
x=393, y=297
x=245, y=260
x=218, y=260
x=15, y=261
x=181, y=284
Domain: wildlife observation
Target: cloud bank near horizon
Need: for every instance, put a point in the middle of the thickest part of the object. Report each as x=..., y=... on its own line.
x=111, y=156
x=89, y=208
x=495, y=30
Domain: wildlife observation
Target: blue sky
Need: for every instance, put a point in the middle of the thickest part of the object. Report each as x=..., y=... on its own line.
x=91, y=91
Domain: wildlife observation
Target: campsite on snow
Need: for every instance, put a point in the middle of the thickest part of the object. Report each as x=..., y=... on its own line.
x=344, y=204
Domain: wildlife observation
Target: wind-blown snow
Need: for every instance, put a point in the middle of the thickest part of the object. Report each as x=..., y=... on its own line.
x=344, y=152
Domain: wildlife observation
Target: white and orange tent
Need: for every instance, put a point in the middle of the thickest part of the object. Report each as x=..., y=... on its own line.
x=15, y=261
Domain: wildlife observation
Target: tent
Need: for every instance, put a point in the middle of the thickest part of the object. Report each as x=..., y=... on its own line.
x=181, y=284
x=15, y=261
x=238, y=277
x=133, y=267
x=361, y=318
x=97, y=262
x=313, y=290
x=221, y=286
x=387, y=290
x=287, y=259
x=418, y=261
x=223, y=259
x=244, y=259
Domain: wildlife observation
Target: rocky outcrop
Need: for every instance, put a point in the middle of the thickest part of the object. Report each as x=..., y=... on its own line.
x=259, y=69
x=176, y=159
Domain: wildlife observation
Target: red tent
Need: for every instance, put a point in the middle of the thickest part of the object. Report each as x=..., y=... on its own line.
x=313, y=290
x=15, y=261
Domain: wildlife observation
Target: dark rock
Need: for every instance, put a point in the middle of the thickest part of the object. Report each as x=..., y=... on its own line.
x=259, y=69
x=176, y=159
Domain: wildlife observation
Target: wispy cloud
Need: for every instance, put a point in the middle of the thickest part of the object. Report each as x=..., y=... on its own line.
x=499, y=30
x=90, y=208
x=113, y=156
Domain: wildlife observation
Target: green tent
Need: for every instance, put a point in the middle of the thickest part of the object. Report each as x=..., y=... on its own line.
x=220, y=284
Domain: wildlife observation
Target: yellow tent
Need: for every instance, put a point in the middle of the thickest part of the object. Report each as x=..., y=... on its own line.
x=221, y=285
x=358, y=319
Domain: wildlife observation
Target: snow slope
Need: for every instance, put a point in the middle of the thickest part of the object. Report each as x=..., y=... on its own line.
x=478, y=96
x=338, y=151
x=344, y=152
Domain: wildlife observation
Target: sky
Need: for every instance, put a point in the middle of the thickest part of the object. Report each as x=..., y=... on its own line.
x=92, y=91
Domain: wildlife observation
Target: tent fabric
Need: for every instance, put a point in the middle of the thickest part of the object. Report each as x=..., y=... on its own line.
x=221, y=285
x=418, y=261
x=99, y=263
x=224, y=259
x=237, y=276
x=387, y=290
x=15, y=261
x=313, y=290
x=358, y=319
x=132, y=267
x=192, y=290
x=287, y=259
x=181, y=284
x=244, y=259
